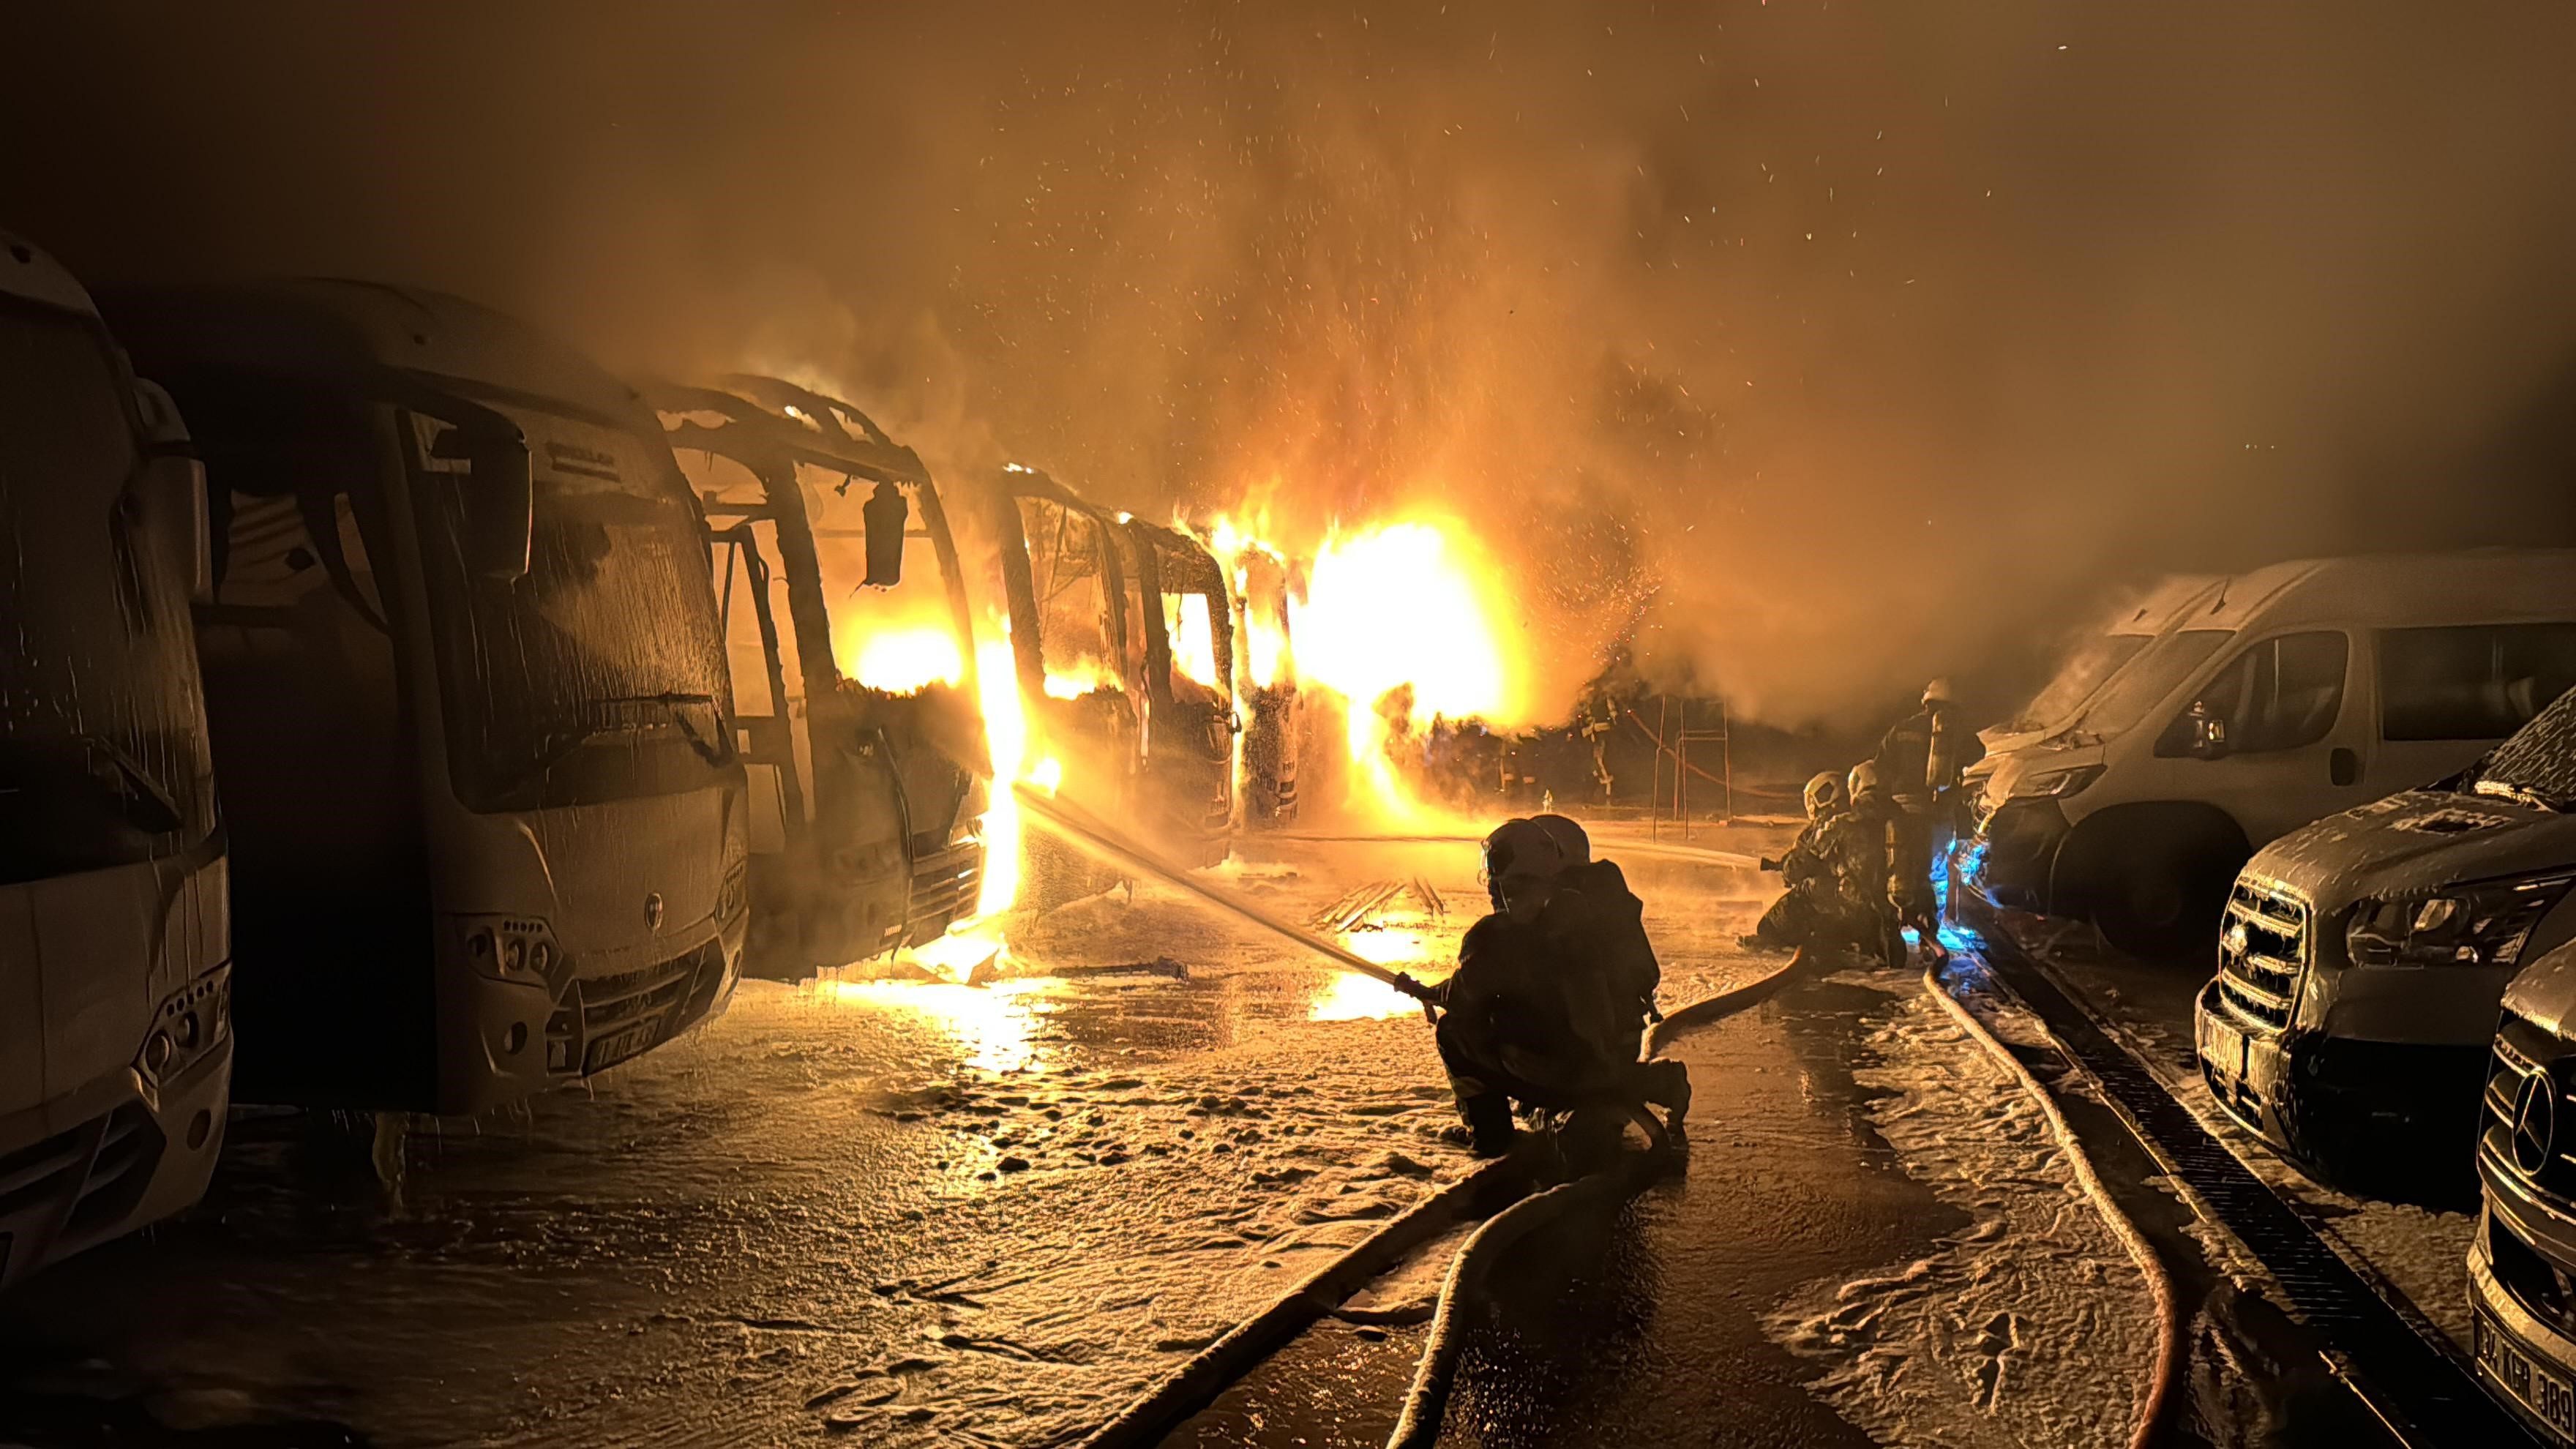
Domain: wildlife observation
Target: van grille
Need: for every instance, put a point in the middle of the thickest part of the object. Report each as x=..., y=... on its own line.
x=2264, y=946
x=2523, y=1048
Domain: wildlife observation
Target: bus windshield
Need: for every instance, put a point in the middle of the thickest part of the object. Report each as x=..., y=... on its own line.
x=102, y=747
x=600, y=675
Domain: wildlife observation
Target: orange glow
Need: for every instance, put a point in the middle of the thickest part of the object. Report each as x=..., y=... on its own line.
x=1077, y=679
x=899, y=640
x=1193, y=636
x=1006, y=732
x=901, y=661
x=1407, y=604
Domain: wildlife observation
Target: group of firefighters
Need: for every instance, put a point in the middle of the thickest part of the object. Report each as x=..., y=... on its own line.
x=1860, y=872
x=1555, y=989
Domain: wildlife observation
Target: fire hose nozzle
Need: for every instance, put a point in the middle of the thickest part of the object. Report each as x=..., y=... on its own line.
x=1769, y=864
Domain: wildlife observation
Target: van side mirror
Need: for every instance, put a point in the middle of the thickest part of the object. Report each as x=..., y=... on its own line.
x=886, y=514
x=500, y=498
x=2208, y=733
x=171, y=489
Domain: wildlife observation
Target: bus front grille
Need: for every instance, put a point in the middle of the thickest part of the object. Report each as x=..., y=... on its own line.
x=78, y=1185
x=603, y=1020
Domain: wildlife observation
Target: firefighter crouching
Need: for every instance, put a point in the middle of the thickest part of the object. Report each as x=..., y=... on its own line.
x=1819, y=910
x=1543, y=1011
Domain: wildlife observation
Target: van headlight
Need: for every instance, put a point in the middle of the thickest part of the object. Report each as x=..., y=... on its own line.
x=2056, y=784
x=2483, y=923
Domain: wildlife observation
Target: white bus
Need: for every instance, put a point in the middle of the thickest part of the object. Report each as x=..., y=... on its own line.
x=468, y=697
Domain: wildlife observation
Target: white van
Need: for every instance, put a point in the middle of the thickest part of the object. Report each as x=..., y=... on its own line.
x=2097, y=656
x=2298, y=690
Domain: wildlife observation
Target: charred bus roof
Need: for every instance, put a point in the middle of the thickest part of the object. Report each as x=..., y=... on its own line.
x=767, y=421
x=354, y=335
x=1188, y=567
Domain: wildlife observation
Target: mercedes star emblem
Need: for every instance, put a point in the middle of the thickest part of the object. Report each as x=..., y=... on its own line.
x=2535, y=1123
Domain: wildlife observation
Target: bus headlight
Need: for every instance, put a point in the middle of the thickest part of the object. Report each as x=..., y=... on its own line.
x=191, y=1021
x=519, y=949
x=2483, y=923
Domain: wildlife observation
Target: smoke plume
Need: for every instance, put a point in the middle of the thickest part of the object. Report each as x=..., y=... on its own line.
x=1805, y=349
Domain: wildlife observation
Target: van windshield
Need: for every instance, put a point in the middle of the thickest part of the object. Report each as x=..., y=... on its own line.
x=102, y=746
x=601, y=674
x=2093, y=661
x=2157, y=671
x=2537, y=765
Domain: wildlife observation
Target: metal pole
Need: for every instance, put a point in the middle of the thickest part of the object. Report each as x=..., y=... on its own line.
x=1726, y=743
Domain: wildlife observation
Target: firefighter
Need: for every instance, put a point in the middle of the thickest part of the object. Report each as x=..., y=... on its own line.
x=1861, y=842
x=1599, y=924
x=1521, y=1021
x=1816, y=910
x=1919, y=765
x=1595, y=931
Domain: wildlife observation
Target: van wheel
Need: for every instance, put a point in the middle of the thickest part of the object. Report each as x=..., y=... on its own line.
x=2165, y=904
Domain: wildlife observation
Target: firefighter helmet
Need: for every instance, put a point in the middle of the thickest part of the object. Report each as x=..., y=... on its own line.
x=1519, y=852
x=1824, y=794
x=1573, y=846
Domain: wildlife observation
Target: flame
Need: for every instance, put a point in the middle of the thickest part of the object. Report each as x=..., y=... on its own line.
x=1193, y=636
x=899, y=640
x=901, y=661
x=1078, y=678
x=1261, y=622
x=1265, y=645
x=1006, y=733
x=1404, y=620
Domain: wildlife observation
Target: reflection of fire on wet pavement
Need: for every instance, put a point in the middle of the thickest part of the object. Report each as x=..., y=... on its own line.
x=918, y=1212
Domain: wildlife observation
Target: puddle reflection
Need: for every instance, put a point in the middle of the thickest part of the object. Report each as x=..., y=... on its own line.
x=994, y=1027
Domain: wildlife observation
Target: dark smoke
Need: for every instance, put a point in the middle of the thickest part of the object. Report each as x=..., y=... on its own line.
x=1811, y=348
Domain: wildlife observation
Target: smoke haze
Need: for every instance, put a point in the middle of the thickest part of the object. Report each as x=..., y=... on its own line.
x=1808, y=348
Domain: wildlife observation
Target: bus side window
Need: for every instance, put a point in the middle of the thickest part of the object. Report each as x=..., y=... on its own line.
x=2280, y=694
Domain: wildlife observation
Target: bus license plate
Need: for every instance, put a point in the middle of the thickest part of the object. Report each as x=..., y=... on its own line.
x=2542, y=1392
x=617, y=1046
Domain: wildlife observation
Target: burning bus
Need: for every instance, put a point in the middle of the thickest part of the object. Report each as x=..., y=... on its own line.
x=115, y=1040
x=1123, y=722
x=467, y=696
x=1190, y=718
x=862, y=735
x=1271, y=742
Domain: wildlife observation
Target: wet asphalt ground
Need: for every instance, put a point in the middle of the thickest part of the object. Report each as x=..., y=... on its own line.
x=907, y=1213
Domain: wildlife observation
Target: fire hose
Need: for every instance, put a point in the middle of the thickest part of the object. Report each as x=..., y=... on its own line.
x=1427, y=1400
x=1643, y=849
x=1086, y=830
x=2157, y=1407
